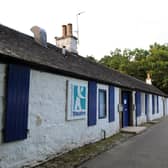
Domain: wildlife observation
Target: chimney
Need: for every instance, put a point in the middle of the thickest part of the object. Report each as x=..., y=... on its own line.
x=148, y=79
x=69, y=29
x=40, y=35
x=64, y=31
x=67, y=40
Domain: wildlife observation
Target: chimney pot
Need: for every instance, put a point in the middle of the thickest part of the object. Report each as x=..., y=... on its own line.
x=148, y=79
x=64, y=31
x=67, y=40
x=69, y=29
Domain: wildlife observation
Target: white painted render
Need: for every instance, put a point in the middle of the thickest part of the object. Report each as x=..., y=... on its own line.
x=134, y=109
x=142, y=119
x=70, y=44
x=2, y=93
x=49, y=131
x=166, y=106
x=158, y=114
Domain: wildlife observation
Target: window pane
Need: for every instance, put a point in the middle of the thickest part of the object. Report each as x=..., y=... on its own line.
x=102, y=103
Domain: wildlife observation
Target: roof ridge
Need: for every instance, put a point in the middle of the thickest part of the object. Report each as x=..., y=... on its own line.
x=15, y=44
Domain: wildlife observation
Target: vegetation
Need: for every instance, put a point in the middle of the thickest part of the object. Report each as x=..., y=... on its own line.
x=138, y=62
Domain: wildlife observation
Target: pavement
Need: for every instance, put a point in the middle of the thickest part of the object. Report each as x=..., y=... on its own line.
x=149, y=149
x=79, y=155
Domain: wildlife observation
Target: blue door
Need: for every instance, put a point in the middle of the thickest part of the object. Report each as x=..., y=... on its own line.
x=125, y=102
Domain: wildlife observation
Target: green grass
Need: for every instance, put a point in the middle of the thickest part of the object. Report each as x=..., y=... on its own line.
x=81, y=154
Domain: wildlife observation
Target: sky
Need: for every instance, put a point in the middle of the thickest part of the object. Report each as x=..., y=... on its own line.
x=104, y=25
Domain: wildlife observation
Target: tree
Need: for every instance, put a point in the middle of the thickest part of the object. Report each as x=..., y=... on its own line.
x=138, y=62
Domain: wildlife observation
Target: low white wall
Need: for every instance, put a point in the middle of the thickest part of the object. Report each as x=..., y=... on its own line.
x=49, y=131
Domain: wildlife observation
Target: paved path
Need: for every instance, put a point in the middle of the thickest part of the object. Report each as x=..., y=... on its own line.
x=147, y=150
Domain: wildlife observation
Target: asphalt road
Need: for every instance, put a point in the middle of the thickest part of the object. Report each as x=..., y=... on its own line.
x=147, y=150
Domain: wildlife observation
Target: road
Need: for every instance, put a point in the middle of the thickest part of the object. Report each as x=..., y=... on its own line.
x=147, y=150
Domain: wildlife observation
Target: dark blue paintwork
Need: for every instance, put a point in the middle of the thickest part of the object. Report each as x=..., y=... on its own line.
x=153, y=104
x=125, y=102
x=111, y=104
x=16, y=116
x=157, y=104
x=138, y=103
x=146, y=103
x=92, y=103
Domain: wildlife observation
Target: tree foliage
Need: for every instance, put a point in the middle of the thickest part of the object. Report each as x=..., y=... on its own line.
x=138, y=62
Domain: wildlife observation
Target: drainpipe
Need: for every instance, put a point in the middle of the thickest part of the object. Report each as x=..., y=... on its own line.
x=103, y=133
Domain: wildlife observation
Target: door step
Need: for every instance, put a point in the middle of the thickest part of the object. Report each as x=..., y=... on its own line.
x=133, y=130
x=154, y=122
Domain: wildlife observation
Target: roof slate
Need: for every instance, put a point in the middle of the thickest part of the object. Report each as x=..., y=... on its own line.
x=21, y=47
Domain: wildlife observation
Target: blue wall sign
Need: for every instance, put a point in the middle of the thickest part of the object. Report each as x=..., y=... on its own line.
x=77, y=100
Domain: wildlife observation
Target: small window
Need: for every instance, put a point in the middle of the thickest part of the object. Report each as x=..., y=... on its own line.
x=102, y=103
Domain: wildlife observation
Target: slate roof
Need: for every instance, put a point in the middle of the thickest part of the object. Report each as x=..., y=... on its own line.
x=21, y=48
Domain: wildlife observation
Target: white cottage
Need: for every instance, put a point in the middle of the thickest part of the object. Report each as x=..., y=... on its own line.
x=53, y=100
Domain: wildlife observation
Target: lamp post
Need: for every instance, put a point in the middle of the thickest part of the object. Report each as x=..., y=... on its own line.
x=77, y=22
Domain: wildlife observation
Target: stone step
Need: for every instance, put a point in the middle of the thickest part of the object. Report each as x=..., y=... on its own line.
x=133, y=130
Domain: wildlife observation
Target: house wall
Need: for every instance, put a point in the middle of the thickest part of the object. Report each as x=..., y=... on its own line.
x=158, y=114
x=166, y=106
x=142, y=119
x=48, y=130
x=69, y=42
x=149, y=116
x=134, y=110
x=2, y=98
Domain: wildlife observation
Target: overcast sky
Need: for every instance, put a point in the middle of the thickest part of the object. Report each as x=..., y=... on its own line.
x=105, y=25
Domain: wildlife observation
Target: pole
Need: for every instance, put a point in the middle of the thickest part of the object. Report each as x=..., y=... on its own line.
x=77, y=22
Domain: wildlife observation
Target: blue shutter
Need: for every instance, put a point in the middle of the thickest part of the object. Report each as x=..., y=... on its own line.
x=153, y=104
x=146, y=103
x=138, y=103
x=92, y=103
x=157, y=104
x=111, y=104
x=16, y=117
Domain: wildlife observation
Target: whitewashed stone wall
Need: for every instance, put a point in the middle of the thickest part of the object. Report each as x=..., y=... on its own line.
x=134, y=111
x=69, y=42
x=149, y=114
x=160, y=112
x=49, y=132
x=2, y=99
x=166, y=106
x=142, y=119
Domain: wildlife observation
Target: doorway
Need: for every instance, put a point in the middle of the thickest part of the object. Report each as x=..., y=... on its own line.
x=127, y=117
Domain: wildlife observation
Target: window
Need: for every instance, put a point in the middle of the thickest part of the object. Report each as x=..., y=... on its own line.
x=102, y=104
